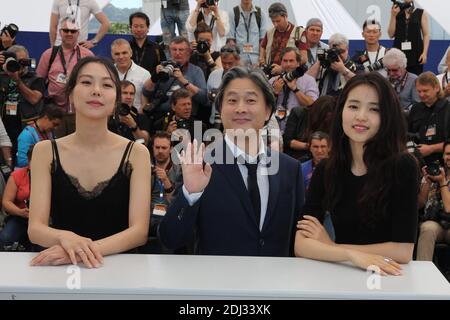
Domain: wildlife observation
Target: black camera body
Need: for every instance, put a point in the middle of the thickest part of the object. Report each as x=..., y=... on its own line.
x=167, y=71
x=209, y=3
x=368, y=67
x=401, y=5
x=328, y=56
x=12, y=29
x=203, y=46
x=13, y=65
x=297, y=73
x=183, y=124
x=434, y=168
x=212, y=94
x=124, y=109
x=267, y=69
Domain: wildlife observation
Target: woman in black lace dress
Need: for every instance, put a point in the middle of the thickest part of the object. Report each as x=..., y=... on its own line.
x=93, y=183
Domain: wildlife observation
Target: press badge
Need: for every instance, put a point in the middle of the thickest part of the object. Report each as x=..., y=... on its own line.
x=61, y=78
x=431, y=131
x=159, y=210
x=406, y=46
x=11, y=108
x=248, y=48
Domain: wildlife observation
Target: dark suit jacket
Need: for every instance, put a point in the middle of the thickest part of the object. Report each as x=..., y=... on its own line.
x=223, y=220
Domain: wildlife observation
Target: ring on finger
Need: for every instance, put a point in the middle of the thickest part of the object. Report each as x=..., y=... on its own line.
x=387, y=259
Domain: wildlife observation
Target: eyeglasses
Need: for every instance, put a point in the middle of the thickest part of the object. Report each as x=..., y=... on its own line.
x=72, y=31
x=229, y=50
x=392, y=70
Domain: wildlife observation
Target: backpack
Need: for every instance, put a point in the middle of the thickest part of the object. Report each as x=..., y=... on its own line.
x=237, y=16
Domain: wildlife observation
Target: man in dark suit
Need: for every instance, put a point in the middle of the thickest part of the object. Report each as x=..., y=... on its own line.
x=248, y=200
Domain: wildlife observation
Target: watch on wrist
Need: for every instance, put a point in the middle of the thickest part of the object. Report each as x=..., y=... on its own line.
x=186, y=84
x=296, y=90
x=134, y=129
x=94, y=42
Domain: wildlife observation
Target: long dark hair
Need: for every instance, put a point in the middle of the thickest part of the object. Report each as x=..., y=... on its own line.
x=72, y=82
x=381, y=153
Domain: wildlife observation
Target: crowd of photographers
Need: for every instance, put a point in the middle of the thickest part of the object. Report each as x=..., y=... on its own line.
x=171, y=86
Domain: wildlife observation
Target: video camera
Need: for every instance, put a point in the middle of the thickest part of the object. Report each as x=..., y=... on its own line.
x=13, y=65
x=328, y=56
x=368, y=67
x=167, y=71
x=11, y=28
x=297, y=73
x=401, y=5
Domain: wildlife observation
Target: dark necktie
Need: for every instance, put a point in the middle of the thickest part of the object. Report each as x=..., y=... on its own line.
x=252, y=184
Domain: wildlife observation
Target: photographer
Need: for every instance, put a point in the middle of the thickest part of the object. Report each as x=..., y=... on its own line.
x=283, y=34
x=371, y=58
x=165, y=175
x=429, y=119
x=173, y=75
x=434, y=197
x=128, y=69
x=8, y=36
x=293, y=87
x=208, y=11
x=126, y=121
x=145, y=53
x=21, y=92
x=334, y=67
x=230, y=57
x=314, y=31
x=180, y=117
x=408, y=26
x=404, y=82
x=203, y=56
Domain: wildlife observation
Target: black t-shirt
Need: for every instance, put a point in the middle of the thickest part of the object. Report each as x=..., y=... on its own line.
x=148, y=57
x=399, y=224
x=429, y=123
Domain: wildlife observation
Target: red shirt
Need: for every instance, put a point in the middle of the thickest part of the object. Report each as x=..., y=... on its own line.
x=22, y=180
x=280, y=40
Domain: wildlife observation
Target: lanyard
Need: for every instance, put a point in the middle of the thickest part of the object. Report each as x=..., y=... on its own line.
x=247, y=27
x=140, y=57
x=125, y=76
x=40, y=133
x=63, y=61
x=78, y=7
x=445, y=81
x=399, y=86
x=376, y=58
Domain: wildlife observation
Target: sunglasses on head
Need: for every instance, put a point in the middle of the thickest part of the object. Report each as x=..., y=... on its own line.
x=69, y=31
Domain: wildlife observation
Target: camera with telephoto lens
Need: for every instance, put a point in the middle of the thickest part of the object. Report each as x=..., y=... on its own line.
x=11, y=28
x=124, y=109
x=13, y=65
x=297, y=73
x=209, y=3
x=167, y=70
x=328, y=56
x=202, y=46
x=401, y=5
x=433, y=169
x=368, y=67
x=267, y=69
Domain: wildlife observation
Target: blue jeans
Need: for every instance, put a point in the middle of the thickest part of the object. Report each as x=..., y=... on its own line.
x=15, y=230
x=170, y=17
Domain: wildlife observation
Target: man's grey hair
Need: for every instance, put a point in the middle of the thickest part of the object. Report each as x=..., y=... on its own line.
x=254, y=75
x=314, y=22
x=17, y=47
x=338, y=39
x=395, y=57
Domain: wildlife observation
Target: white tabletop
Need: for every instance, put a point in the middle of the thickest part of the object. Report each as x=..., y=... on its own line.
x=130, y=276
